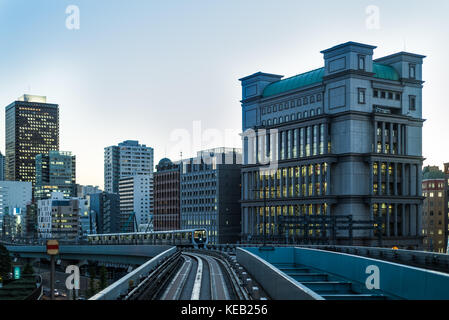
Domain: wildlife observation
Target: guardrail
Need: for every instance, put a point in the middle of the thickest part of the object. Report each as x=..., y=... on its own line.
x=422, y=259
x=126, y=284
x=276, y=284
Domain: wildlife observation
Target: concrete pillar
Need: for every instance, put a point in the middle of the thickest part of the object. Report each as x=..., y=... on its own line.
x=387, y=178
x=403, y=180
x=328, y=179
x=395, y=181
x=391, y=137
x=300, y=181
x=320, y=179
x=418, y=219
x=375, y=137
x=371, y=178
x=379, y=178
x=307, y=180
x=371, y=217
x=404, y=222
x=387, y=222
x=383, y=137
x=400, y=139
x=395, y=219
x=313, y=181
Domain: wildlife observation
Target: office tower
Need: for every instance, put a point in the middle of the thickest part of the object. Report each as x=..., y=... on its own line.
x=127, y=159
x=14, y=198
x=84, y=191
x=342, y=141
x=2, y=167
x=167, y=196
x=136, y=198
x=433, y=214
x=32, y=128
x=210, y=194
x=55, y=172
x=105, y=208
x=59, y=218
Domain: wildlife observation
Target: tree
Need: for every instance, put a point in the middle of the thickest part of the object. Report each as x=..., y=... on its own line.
x=5, y=263
x=103, y=278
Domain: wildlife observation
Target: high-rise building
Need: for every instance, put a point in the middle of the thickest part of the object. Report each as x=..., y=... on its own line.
x=433, y=215
x=105, y=207
x=59, y=218
x=55, y=172
x=14, y=198
x=167, y=196
x=210, y=194
x=343, y=141
x=32, y=128
x=2, y=167
x=127, y=159
x=446, y=207
x=136, y=198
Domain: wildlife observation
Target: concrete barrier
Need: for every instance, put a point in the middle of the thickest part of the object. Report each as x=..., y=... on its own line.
x=120, y=287
x=275, y=283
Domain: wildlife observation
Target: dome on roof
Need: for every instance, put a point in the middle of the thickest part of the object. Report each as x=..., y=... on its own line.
x=165, y=162
x=432, y=173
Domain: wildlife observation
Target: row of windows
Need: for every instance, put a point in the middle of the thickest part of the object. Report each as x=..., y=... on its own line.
x=291, y=104
x=292, y=117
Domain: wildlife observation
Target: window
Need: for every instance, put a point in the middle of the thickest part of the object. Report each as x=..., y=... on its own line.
x=299, y=115
x=312, y=113
x=275, y=121
x=305, y=114
x=318, y=97
x=375, y=94
x=292, y=103
x=318, y=111
x=383, y=94
x=412, y=103
x=293, y=116
x=268, y=109
x=286, y=105
x=299, y=103
x=312, y=99
x=305, y=101
x=263, y=122
x=361, y=62
x=275, y=108
x=398, y=96
x=361, y=96
x=412, y=71
x=390, y=95
x=280, y=107
x=286, y=119
x=269, y=122
x=280, y=119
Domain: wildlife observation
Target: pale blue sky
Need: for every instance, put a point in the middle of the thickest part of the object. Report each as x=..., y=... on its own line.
x=140, y=69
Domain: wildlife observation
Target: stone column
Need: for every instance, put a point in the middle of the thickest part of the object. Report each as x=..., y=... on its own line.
x=395, y=219
x=395, y=184
x=375, y=137
x=387, y=179
x=371, y=179
x=404, y=233
x=400, y=139
x=379, y=178
x=383, y=137
x=300, y=181
x=387, y=222
x=328, y=179
x=391, y=137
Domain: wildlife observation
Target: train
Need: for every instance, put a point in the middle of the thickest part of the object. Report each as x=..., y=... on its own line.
x=196, y=238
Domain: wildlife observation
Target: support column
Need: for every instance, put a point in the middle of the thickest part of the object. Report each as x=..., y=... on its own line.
x=395, y=181
x=328, y=179
x=400, y=139
x=307, y=180
x=313, y=181
x=403, y=179
x=387, y=222
x=391, y=137
x=418, y=181
x=383, y=136
x=418, y=219
x=395, y=219
x=320, y=179
x=371, y=179
x=375, y=137
x=387, y=179
x=300, y=182
x=404, y=233
x=379, y=178
x=371, y=217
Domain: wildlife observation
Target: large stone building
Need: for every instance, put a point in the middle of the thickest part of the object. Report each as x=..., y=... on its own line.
x=127, y=159
x=446, y=207
x=433, y=219
x=210, y=194
x=342, y=141
x=32, y=128
x=167, y=187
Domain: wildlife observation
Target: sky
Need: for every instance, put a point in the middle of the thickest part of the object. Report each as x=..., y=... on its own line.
x=166, y=73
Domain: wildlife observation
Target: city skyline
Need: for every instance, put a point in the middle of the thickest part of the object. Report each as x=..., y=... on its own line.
x=141, y=71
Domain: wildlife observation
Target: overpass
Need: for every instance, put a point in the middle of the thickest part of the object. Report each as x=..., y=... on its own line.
x=118, y=254
x=249, y=272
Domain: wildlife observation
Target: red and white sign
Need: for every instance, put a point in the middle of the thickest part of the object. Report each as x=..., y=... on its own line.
x=52, y=247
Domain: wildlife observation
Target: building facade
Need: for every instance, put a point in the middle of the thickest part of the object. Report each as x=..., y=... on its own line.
x=446, y=206
x=59, y=218
x=84, y=191
x=2, y=167
x=433, y=219
x=127, y=159
x=32, y=128
x=342, y=141
x=167, y=186
x=210, y=194
x=105, y=208
x=14, y=198
x=55, y=172
x=136, y=198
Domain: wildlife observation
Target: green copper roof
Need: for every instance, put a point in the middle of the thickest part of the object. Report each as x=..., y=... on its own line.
x=385, y=72
x=301, y=80
x=316, y=76
x=432, y=173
